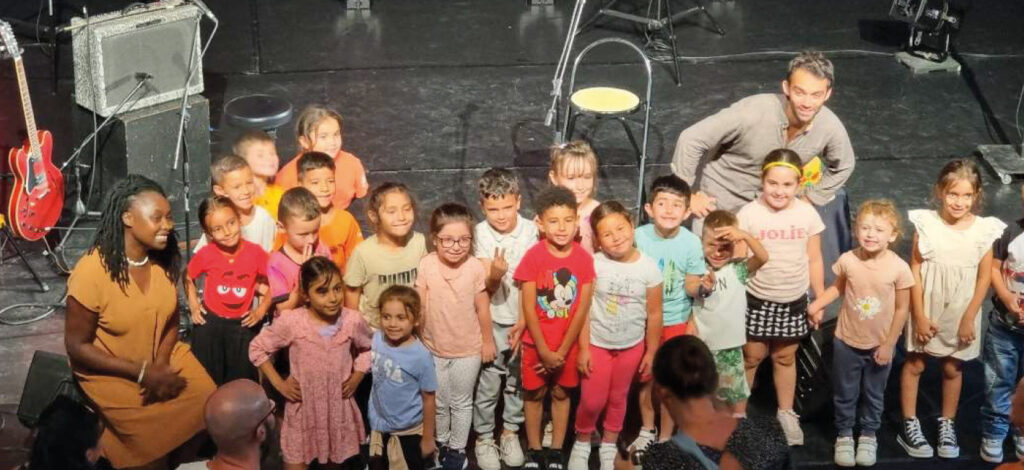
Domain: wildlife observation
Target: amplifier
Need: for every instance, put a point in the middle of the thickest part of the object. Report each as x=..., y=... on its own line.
x=113, y=50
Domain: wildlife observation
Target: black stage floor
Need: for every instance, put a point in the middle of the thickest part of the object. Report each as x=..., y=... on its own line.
x=436, y=91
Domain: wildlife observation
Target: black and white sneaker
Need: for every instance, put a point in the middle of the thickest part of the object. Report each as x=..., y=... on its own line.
x=948, y=447
x=555, y=461
x=534, y=460
x=912, y=439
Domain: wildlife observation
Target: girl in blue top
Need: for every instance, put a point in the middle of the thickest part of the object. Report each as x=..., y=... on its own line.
x=402, y=399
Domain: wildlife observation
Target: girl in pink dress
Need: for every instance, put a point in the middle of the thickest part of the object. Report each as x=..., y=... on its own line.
x=329, y=353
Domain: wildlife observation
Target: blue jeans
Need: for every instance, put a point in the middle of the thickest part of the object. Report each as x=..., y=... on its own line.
x=857, y=379
x=1002, y=355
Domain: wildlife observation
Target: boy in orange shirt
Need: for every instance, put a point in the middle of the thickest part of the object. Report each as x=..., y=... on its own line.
x=320, y=129
x=257, y=148
x=339, y=231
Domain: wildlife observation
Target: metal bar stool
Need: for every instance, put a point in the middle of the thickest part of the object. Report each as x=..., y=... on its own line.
x=606, y=102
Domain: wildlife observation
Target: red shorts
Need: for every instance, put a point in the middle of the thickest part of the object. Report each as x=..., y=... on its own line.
x=567, y=377
x=669, y=332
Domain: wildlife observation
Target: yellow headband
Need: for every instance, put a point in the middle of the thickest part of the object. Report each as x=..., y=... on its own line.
x=795, y=168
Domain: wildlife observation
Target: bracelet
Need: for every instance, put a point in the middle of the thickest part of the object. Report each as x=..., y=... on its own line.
x=142, y=372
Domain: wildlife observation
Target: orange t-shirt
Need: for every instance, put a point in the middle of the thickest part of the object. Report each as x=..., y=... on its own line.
x=349, y=178
x=340, y=236
x=270, y=199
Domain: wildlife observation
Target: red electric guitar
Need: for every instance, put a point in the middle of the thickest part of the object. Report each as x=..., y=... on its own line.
x=37, y=194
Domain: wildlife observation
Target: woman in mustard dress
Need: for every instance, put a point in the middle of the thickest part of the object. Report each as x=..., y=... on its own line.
x=121, y=331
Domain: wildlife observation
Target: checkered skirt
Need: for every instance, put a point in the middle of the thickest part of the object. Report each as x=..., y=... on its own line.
x=774, y=320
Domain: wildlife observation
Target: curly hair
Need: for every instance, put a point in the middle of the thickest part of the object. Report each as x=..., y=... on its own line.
x=109, y=240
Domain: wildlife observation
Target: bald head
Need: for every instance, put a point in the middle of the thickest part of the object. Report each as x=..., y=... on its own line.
x=234, y=413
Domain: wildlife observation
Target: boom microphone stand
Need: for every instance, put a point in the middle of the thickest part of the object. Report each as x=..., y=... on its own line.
x=552, y=117
x=180, y=147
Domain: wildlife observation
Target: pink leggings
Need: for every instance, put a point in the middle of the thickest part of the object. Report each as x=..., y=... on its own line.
x=607, y=387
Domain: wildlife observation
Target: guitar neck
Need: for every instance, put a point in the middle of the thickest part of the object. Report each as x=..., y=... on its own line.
x=26, y=107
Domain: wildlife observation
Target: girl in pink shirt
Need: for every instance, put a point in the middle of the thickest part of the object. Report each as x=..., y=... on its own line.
x=329, y=353
x=456, y=325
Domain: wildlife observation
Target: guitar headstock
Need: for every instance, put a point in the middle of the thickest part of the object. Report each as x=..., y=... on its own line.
x=8, y=45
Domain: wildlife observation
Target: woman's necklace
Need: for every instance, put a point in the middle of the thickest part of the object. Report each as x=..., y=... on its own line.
x=137, y=264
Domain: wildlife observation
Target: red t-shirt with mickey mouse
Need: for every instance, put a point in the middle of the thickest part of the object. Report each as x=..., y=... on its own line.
x=559, y=281
x=231, y=278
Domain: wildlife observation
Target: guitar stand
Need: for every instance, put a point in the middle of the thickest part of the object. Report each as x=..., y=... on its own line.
x=8, y=239
x=660, y=17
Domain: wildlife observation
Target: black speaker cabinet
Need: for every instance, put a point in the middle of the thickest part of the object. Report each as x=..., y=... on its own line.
x=142, y=142
x=48, y=377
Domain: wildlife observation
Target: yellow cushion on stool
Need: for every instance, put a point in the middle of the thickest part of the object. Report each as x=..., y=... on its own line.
x=605, y=100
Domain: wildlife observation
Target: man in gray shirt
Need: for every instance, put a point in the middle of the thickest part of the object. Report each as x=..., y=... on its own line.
x=721, y=156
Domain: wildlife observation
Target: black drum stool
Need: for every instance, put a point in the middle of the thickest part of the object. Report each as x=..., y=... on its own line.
x=265, y=112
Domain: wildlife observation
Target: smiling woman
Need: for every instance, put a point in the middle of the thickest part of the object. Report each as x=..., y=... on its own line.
x=121, y=331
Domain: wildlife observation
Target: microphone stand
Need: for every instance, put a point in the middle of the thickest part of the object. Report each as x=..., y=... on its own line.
x=552, y=117
x=180, y=147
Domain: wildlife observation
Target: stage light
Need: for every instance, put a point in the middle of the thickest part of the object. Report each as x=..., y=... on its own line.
x=933, y=23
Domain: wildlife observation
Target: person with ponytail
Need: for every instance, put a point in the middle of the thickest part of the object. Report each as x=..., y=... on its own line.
x=121, y=332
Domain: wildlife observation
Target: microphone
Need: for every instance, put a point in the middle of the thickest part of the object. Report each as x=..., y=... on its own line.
x=143, y=76
x=205, y=9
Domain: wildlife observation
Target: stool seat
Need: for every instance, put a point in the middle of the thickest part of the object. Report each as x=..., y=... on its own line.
x=605, y=100
x=265, y=112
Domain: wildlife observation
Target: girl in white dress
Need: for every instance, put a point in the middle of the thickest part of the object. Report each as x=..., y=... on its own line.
x=951, y=263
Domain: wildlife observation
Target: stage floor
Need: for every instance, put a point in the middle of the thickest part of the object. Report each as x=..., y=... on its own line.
x=434, y=92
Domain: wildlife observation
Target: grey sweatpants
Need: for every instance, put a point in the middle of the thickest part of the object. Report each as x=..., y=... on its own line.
x=489, y=388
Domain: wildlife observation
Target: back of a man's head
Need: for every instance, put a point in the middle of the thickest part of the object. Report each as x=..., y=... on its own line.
x=234, y=416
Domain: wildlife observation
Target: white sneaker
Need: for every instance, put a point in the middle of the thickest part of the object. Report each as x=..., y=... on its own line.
x=844, y=452
x=549, y=430
x=607, y=453
x=867, y=450
x=991, y=450
x=790, y=422
x=642, y=441
x=487, y=455
x=511, y=450
x=948, y=447
x=1018, y=447
x=579, y=459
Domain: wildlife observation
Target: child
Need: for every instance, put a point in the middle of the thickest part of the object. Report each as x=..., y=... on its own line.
x=258, y=150
x=235, y=269
x=777, y=316
x=680, y=258
x=388, y=257
x=574, y=166
x=720, y=306
x=402, y=407
x=300, y=222
x=233, y=179
x=875, y=284
x=339, y=231
x=456, y=324
x=329, y=352
x=555, y=284
x=320, y=130
x=500, y=243
x=622, y=335
x=1003, y=345
x=952, y=266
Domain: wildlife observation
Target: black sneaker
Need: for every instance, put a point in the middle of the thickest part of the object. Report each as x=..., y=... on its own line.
x=948, y=446
x=455, y=460
x=912, y=439
x=534, y=459
x=555, y=461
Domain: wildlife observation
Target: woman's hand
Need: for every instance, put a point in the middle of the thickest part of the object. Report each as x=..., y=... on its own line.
x=289, y=389
x=161, y=383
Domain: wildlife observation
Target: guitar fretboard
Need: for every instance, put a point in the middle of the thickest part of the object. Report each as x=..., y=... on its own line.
x=26, y=108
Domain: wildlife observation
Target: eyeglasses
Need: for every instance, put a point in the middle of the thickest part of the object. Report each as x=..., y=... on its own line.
x=463, y=242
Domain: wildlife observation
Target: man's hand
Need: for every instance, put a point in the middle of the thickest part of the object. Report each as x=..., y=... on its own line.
x=701, y=204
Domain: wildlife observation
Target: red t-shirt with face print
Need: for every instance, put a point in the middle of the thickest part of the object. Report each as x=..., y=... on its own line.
x=231, y=279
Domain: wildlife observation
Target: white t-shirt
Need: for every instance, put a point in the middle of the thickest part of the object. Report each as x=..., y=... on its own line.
x=505, y=301
x=721, y=317
x=261, y=230
x=618, y=316
x=784, y=234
